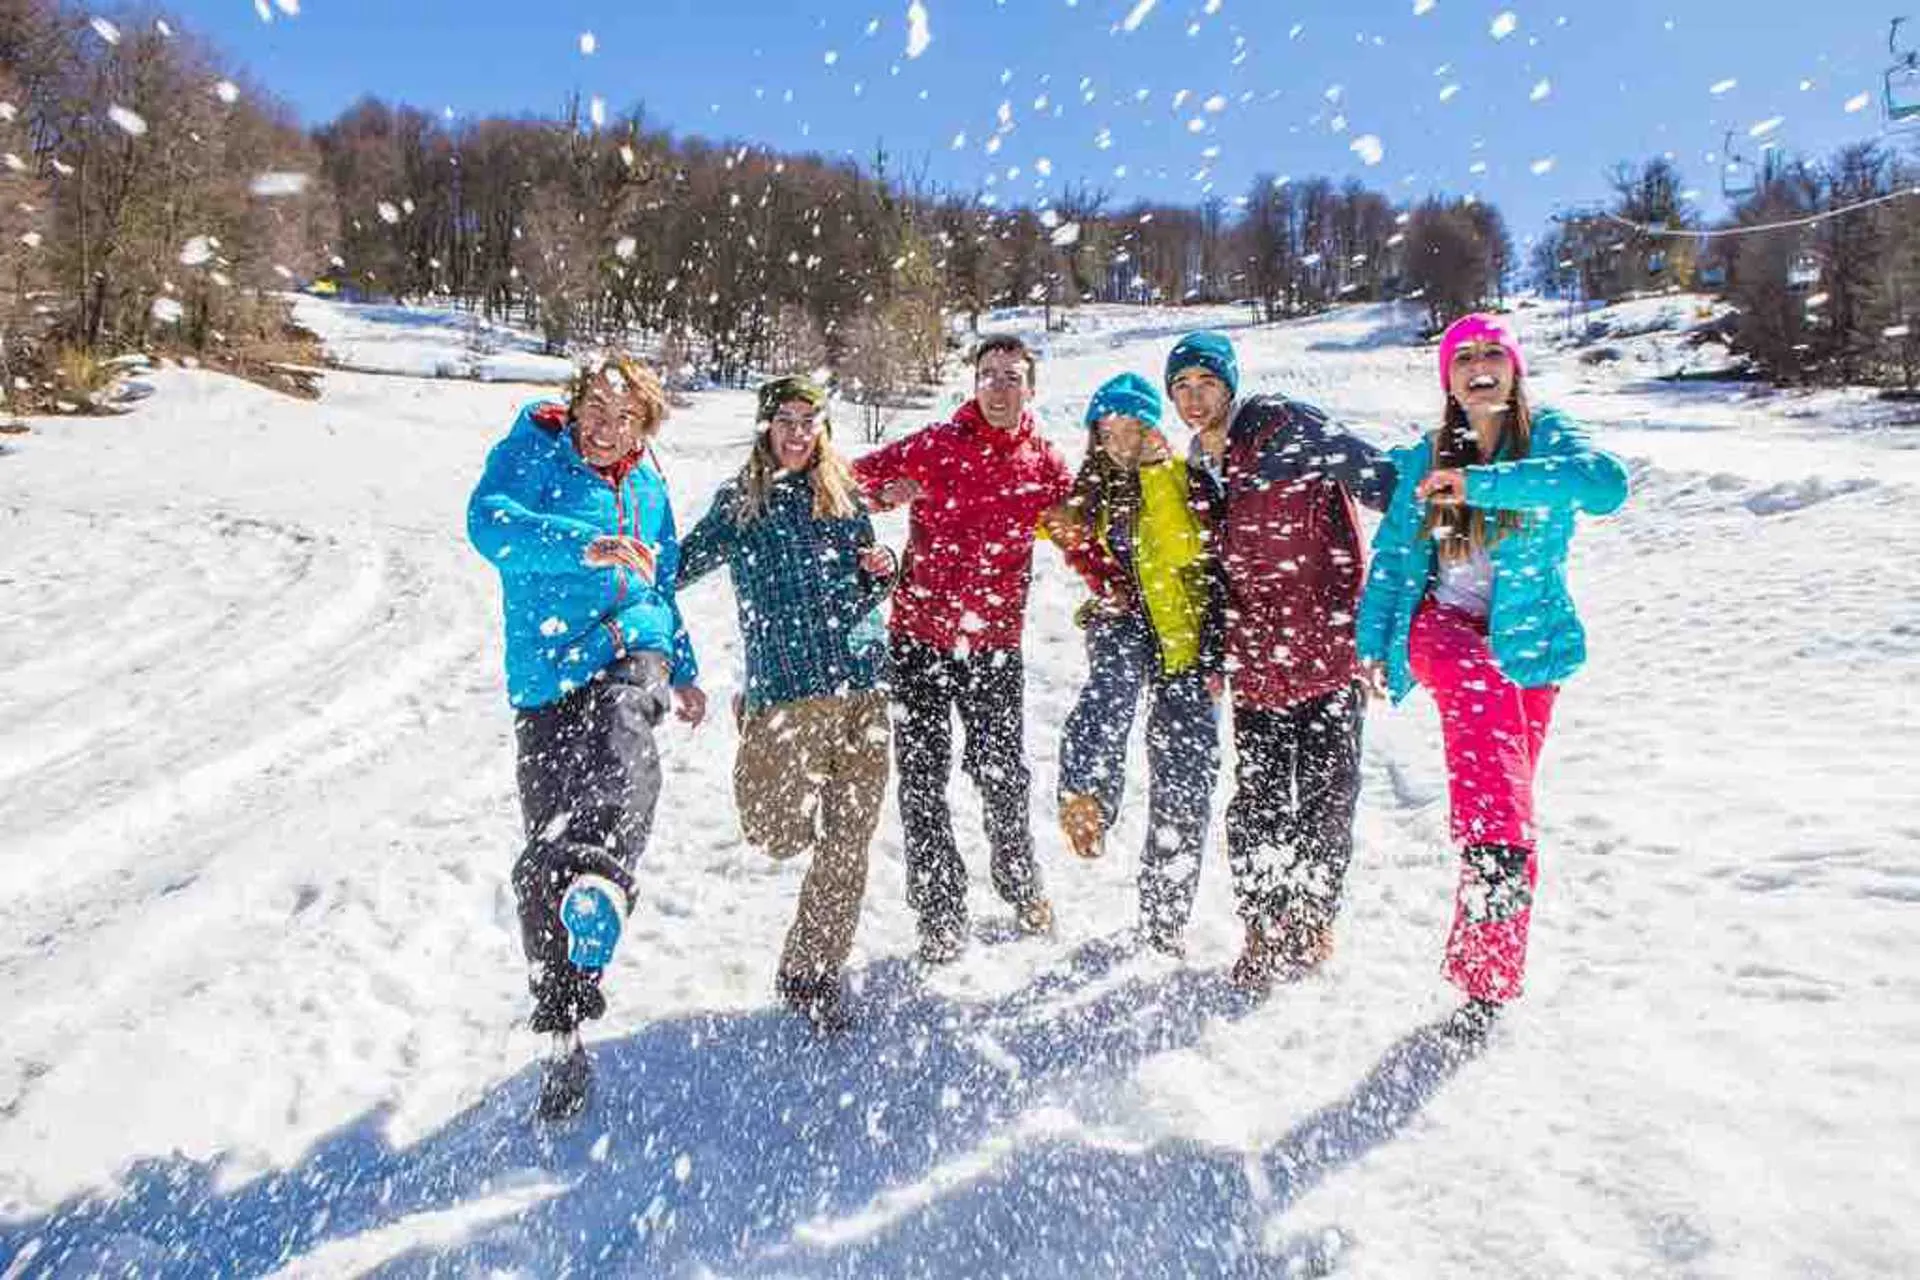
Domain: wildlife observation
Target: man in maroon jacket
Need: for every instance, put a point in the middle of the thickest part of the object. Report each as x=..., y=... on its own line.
x=1289, y=544
x=979, y=486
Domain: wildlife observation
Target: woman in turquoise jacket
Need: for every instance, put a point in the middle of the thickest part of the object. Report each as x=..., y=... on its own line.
x=1467, y=595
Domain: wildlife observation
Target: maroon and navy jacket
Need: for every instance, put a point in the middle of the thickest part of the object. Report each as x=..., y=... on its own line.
x=970, y=534
x=1290, y=549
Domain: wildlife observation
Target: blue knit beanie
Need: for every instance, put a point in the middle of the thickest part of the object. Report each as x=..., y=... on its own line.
x=1209, y=350
x=1128, y=394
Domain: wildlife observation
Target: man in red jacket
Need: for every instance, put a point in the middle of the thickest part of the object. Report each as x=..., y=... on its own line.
x=979, y=486
x=1289, y=544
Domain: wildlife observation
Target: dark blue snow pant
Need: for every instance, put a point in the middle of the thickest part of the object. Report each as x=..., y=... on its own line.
x=1183, y=758
x=589, y=778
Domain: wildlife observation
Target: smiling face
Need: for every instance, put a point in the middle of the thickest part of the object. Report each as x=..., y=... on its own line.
x=610, y=424
x=1003, y=384
x=1121, y=436
x=794, y=432
x=1481, y=377
x=1201, y=397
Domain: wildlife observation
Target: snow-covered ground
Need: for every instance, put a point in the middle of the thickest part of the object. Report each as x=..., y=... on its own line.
x=426, y=341
x=262, y=982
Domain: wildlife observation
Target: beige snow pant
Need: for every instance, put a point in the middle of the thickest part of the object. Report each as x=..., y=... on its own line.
x=809, y=778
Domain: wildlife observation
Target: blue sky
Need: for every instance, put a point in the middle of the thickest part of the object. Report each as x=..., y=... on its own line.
x=1064, y=92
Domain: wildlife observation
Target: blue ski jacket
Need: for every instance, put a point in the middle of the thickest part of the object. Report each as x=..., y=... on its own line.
x=537, y=506
x=1532, y=626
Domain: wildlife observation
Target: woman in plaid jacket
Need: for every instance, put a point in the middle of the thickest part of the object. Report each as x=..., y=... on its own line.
x=812, y=765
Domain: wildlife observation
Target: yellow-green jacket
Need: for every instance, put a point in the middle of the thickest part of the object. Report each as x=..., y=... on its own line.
x=1154, y=552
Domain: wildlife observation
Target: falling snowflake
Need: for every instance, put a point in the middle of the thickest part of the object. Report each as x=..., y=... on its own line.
x=167, y=310
x=597, y=111
x=1766, y=126
x=1422, y=7
x=388, y=211
x=1369, y=148
x=1066, y=234
x=1504, y=25
x=625, y=248
x=1447, y=92
x=196, y=251
x=831, y=56
x=588, y=43
x=1542, y=166
x=105, y=30
x=1216, y=104
x=227, y=91
x=918, y=37
x=278, y=184
x=129, y=121
x=1137, y=15
x=1723, y=86
x=1540, y=91
x=1858, y=102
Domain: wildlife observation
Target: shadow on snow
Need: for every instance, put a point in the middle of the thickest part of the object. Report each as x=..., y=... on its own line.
x=737, y=1143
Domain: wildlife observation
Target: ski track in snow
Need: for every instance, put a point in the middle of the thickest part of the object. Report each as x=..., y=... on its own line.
x=263, y=975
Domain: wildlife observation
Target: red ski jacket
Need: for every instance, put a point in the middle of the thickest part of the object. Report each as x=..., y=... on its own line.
x=970, y=533
x=1290, y=546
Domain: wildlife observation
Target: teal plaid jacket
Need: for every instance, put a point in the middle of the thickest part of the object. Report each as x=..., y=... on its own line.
x=809, y=615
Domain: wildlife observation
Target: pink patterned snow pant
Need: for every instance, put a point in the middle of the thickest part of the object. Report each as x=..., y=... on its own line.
x=1493, y=730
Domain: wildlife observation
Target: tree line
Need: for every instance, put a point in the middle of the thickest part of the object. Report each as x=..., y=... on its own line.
x=152, y=197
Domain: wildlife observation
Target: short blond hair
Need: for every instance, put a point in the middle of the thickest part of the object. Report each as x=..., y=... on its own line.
x=623, y=373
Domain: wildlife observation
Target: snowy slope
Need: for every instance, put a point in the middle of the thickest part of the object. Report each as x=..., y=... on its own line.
x=262, y=979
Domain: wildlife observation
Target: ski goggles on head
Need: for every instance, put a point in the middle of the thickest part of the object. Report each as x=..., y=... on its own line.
x=786, y=390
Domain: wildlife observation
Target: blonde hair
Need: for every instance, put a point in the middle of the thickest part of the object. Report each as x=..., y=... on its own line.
x=834, y=491
x=622, y=372
x=1460, y=530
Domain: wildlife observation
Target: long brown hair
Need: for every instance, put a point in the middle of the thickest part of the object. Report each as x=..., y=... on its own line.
x=1460, y=530
x=832, y=480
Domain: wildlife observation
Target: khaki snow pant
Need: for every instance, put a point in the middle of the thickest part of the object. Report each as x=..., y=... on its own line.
x=809, y=778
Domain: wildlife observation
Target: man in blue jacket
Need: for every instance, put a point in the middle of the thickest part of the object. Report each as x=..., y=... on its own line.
x=573, y=512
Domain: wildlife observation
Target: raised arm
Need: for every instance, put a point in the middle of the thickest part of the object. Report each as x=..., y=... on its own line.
x=1563, y=470
x=1314, y=443
x=505, y=526
x=711, y=543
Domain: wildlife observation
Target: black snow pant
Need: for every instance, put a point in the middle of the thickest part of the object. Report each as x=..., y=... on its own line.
x=988, y=690
x=589, y=777
x=1290, y=822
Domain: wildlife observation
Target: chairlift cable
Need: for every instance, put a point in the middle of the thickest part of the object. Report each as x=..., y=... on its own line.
x=1717, y=233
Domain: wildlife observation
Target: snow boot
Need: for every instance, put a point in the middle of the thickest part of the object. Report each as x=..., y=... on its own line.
x=566, y=1078
x=594, y=911
x=1035, y=917
x=1084, y=822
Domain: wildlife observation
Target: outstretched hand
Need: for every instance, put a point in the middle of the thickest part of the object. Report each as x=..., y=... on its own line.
x=1373, y=679
x=690, y=704
x=1446, y=487
x=612, y=552
x=898, y=491
x=877, y=560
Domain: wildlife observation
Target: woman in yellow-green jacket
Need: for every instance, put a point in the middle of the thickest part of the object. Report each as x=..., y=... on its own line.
x=1154, y=627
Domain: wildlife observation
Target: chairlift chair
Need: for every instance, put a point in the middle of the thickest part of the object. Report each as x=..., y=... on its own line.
x=1900, y=99
x=1738, y=178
